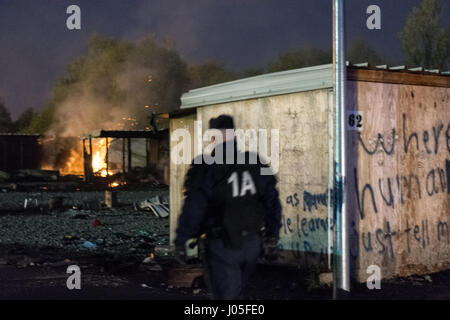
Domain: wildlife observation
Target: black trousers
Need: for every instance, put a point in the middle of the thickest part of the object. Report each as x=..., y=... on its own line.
x=230, y=269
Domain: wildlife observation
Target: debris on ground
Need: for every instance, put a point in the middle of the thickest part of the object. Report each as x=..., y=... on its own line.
x=184, y=276
x=96, y=223
x=123, y=230
x=163, y=250
x=89, y=245
x=150, y=259
x=155, y=205
x=326, y=279
x=196, y=291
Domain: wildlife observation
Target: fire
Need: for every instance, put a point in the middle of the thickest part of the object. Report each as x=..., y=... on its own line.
x=98, y=161
x=116, y=184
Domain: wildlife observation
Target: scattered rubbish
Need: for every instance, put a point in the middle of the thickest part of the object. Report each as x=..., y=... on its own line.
x=145, y=286
x=155, y=205
x=96, y=223
x=120, y=228
x=69, y=238
x=150, y=259
x=196, y=291
x=31, y=203
x=144, y=234
x=162, y=250
x=184, y=276
x=147, y=260
x=428, y=278
x=89, y=245
x=326, y=279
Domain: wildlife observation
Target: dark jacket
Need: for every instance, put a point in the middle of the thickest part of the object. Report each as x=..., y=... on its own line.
x=202, y=203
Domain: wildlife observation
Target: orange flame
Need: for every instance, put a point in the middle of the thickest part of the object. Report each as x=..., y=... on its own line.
x=98, y=161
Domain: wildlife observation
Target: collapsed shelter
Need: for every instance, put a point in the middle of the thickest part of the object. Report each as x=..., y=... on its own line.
x=124, y=150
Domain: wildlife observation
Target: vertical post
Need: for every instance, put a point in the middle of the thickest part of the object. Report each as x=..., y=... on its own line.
x=91, y=169
x=90, y=147
x=331, y=177
x=21, y=154
x=84, y=161
x=5, y=154
x=341, y=270
x=123, y=155
x=147, y=152
x=129, y=154
x=107, y=157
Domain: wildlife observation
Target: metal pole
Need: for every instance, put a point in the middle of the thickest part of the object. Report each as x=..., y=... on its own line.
x=341, y=283
x=107, y=158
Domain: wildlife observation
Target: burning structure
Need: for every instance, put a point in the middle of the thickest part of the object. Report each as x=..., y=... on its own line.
x=118, y=152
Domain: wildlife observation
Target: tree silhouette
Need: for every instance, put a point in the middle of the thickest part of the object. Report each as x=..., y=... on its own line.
x=425, y=41
x=6, y=124
x=359, y=51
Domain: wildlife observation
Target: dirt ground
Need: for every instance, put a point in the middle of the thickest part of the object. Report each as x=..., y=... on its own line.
x=36, y=247
x=103, y=278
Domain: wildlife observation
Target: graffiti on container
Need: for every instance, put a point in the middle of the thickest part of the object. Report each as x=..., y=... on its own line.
x=405, y=186
x=381, y=240
x=412, y=139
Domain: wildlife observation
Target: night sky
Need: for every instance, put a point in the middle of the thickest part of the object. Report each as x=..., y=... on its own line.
x=36, y=45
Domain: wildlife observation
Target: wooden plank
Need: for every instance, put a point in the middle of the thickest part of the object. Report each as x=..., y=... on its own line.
x=399, y=158
x=178, y=172
x=398, y=77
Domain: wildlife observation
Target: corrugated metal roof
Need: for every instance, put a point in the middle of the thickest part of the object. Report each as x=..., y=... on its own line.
x=297, y=80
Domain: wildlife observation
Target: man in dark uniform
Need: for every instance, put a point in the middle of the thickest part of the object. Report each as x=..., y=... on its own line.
x=238, y=209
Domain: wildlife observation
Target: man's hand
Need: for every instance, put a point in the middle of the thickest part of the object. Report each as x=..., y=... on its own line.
x=180, y=254
x=271, y=249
